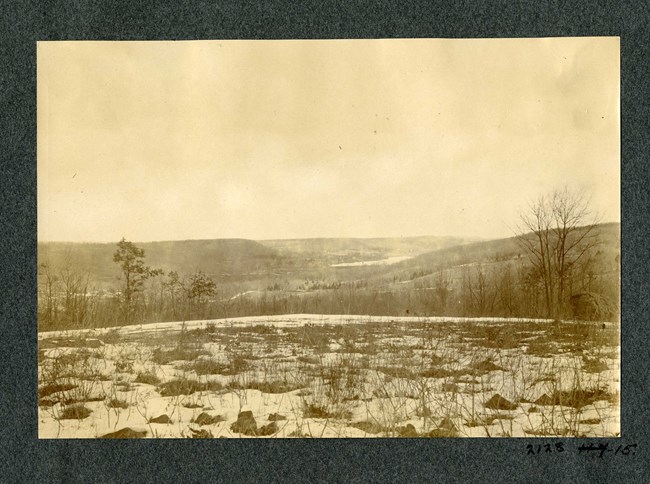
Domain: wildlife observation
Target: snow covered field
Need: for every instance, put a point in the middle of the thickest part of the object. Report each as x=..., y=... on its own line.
x=332, y=376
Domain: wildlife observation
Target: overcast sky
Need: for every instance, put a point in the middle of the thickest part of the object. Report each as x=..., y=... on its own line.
x=292, y=139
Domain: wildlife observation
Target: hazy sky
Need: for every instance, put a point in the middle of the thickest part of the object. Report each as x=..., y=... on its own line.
x=291, y=139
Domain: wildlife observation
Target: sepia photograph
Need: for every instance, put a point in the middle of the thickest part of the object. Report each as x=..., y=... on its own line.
x=329, y=238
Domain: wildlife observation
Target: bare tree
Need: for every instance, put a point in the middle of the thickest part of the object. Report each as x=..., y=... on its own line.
x=556, y=232
x=482, y=296
x=506, y=291
x=65, y=299
x=174, y=287
x=75, y=297
x=443, y=288
x=47, y=306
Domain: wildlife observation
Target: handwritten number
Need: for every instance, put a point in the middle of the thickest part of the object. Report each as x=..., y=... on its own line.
x=627, y=449
x=598, y=449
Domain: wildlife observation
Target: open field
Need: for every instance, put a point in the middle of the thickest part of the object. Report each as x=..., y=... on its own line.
x=332, y=376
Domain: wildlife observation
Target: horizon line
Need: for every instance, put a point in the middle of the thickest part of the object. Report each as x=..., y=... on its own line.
x=474, y=237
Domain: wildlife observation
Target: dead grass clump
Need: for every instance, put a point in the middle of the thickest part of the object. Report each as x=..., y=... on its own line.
x=267, y=386
x=579, y=398
x=268, y=429
x=124, y=366
x=147, y=378
x=488, y=420
x=590, y=421
x=544, y=400
x=497, y=402
x=197, y=336
x=163, y=357
x=594, y=365
x=275, y=417
x=505, y=341
x=316, y=411
x=206, y=419
x=436, y=360
x=83, y=397
x=262, y=329
x=201, y=434
x=541, y=348
x=192, y=405
x=64, y=364
x=74, y=412
x=175, y=388
x=123, y=387
x=209, y=366
x=396, y=371
x=407, y=431
x=52, y=388
x=450, y=387
x=161, y=419
x=125, y=433
x=369, y=427
x=493, y=335
x=423, y=411
x=539, y=433
x=310, y=360
x=543, y=378
x=486, y=366
x=362, y=348
x=245, y=424
x=238, y=364
x=466, y=379
x=116, y=403
x=82, y=391
x=446, y=428
x=437, y=373
x=74, y=364
x=315, y=337
x=206, y=367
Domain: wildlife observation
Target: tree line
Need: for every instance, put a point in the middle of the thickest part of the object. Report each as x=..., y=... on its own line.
x=560, y=277
x=66, y=300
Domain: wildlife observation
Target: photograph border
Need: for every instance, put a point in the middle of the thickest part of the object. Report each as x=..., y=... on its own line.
x=24, y=457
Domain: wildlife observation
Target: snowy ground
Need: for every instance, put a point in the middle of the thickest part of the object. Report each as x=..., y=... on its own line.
x=332, y=376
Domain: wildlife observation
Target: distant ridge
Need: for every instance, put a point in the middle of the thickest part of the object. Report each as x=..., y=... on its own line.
x=376, y=245
x=215, y=257
x=236, y=259
x=609, y=236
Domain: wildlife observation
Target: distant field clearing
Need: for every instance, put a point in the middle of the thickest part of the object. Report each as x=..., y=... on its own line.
x=382, y=262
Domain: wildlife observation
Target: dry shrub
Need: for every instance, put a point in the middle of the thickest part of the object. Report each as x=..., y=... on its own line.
x=116, y=403
x=147, y=378
x=163, y=357
x=74, y=412
x=175, y=388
